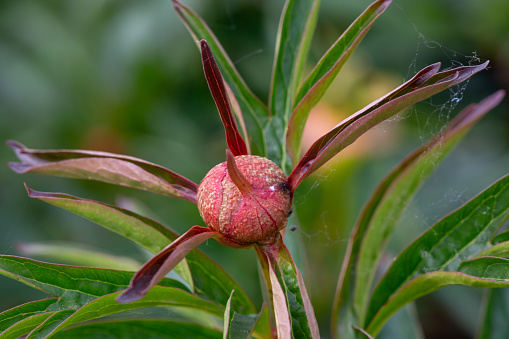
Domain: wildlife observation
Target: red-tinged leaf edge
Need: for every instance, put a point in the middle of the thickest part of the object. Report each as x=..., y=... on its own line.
x=291, y=305
x=162, y=263
x=366, y=334
x=216, y=85
x=48, y=161
x=424, y=84
x=325, y=71
x=236, y=175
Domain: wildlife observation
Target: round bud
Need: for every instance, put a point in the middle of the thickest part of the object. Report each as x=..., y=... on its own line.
x=246, y=215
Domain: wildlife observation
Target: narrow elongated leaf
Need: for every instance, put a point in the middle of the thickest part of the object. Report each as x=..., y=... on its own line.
x=16, y=314
x=208, y=278
x=292, y=307
x=144, y=231
x=71, y=284
x=493, y=324
x=296, y=28
x=106, y=167
x=313, y=88
x=135, y=329
x=458, y=236
x=25, y=325
x=77, y=254
x=385, y=206
x=255, y=113
x=430, y=282
x=156, y=268
x=45, y=329
x=158, y=296
x=240, y=326
x=423, y=85
x=500, y=250
x=382, y=212
x=83, y=294
x=215, y=81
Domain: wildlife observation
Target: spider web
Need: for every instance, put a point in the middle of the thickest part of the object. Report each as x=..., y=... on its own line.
x=430, y=116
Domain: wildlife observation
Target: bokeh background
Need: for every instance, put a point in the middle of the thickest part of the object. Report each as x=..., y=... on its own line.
x=125, y=77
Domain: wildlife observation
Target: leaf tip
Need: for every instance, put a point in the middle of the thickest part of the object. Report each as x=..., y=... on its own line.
x=128, y=296
x=236, y=175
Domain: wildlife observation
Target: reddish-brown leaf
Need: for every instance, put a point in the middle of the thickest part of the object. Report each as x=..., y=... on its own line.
x=216, y=85
x=106, y=167
x=423, y=85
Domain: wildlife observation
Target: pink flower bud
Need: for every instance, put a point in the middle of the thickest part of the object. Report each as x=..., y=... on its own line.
x=246, y=212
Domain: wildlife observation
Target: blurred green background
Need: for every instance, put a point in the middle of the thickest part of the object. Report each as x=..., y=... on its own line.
x=125, y=77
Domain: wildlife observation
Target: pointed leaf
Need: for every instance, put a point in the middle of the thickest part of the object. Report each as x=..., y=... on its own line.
x=423, y=85
x=144, y=231
x=209, y=279
x=296, y=27
x=236, y=175
x=106, y=167
x=430, y=282
x=25, y=325
x=71, y=284
x=458, y=236
x=135, y=329
x=326, y=71
x=25, y=311
x=156, y=268
x=158, y=296
x=45, y=329
x=500, y=250
x=382, y=212
x=215, y=81
x=255, y=113
x=386, y=204
x=292, y=307
x=77, y=254
x=240, y=326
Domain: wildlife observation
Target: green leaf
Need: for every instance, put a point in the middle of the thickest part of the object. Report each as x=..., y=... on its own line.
x=292, y=308
x=313, y=88
x=135, y=329
x=158, y=296
x=430, y=282
x=16, y=314
x=502, y=237
x=50, y=324
x=240, y=326
x=73, y=285
x=424, y=84
x=84, y=294
x=106, y=167
x=384, y=209
x=77, y=254
x=257, y=114
x=296, y=28
x=208, y=278
x=494, y=323
x=25, y=325
x=500, y=250
x=458, y=236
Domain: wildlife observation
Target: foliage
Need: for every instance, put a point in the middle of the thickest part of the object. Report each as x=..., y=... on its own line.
x=462, y=248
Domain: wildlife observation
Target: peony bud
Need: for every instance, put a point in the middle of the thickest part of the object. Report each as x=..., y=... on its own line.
x=246, y=199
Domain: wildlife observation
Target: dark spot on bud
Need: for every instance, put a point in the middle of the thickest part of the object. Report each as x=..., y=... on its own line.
x=289, y=212
x=284, y=187
x=293, y=228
